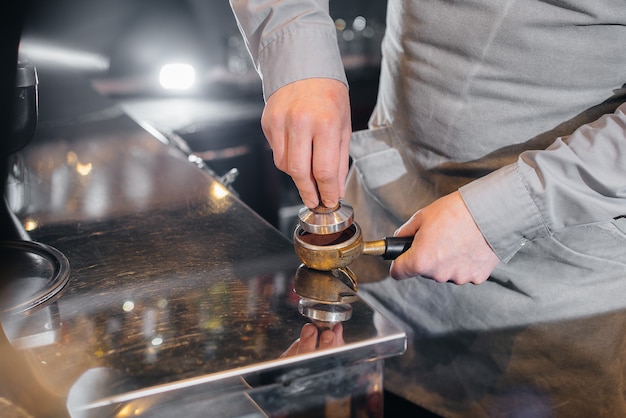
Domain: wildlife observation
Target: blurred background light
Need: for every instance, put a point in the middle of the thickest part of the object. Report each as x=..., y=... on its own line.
x=177, y=76
x=43, y=52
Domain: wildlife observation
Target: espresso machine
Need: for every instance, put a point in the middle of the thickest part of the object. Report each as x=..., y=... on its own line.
x=32, y=273
x=18, y=121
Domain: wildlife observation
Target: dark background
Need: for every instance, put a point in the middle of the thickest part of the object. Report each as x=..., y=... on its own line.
x=121, y=45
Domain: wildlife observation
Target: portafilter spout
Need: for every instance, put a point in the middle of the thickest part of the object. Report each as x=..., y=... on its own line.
x=325, y=296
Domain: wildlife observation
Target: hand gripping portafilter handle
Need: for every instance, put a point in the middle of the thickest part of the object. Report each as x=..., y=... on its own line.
x=389, y=247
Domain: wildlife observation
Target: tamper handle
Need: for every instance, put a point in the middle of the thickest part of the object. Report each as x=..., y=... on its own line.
x=394, y=246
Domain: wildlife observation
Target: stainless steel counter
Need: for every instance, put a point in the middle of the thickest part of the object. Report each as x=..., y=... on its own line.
x=179, y=297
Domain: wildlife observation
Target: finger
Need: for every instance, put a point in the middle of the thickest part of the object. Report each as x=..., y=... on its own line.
x=326, y=163
x=274, y=131
x=305, y=344
x=292, y=350
x=308, y=339
x=332, y=337
x=398, y=269
x=331, y=158
x=344, y=163
x=405, y=266
x=338, y=331
x=410, y=227
x=299, y=164
x=327, y=339
x=412, y=262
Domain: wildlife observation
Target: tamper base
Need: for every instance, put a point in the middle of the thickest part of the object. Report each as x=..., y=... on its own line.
x=322, y=220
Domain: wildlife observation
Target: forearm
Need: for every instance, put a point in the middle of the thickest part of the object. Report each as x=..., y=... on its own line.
x=289, y=40
x=578, y=180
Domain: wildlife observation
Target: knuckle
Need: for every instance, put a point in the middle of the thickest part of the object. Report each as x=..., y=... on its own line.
x=441, y=278
x=323, y=173
x=279, y=162
x=297, y=171
x=269, y=120
x=300, y=118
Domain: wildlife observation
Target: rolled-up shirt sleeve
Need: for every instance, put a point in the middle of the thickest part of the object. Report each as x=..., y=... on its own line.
x=289, y=40
x=579, y=179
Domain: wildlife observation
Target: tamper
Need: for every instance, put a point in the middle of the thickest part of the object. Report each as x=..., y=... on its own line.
x=323, y=220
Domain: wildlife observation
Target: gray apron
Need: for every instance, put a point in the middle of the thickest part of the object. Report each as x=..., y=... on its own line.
x=545, y=335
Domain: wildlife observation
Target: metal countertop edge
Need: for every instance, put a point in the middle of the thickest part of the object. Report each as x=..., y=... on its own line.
x=301, y=360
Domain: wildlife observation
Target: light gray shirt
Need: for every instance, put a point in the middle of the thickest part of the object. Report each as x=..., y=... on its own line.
x=467, y=97
x=519, y=104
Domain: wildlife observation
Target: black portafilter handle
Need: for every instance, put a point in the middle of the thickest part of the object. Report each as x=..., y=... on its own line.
x=394, y=246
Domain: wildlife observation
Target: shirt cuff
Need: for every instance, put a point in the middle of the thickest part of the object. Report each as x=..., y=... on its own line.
x=504, y=211
x=297, y=55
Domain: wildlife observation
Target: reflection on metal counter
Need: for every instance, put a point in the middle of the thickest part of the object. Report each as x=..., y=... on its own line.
x=325, y=296
x=180, y=299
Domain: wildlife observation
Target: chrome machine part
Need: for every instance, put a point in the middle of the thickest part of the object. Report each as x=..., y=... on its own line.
x=322, y=220
x=35, y=273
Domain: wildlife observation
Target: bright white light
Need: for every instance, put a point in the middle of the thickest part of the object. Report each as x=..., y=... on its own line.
x=39, y=51
x=359, y=23
x=177, y=76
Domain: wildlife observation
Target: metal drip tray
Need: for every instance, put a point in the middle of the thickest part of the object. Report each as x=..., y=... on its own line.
x=32, y=274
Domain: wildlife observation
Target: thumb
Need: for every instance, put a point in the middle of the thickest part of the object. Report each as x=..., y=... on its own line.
x=410, y=227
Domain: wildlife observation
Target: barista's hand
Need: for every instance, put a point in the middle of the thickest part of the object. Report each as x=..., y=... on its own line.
x=448, y=246
x=307, y=124
x=308, y=340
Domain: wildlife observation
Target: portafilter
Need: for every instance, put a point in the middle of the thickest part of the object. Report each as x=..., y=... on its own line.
x=337, y=249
